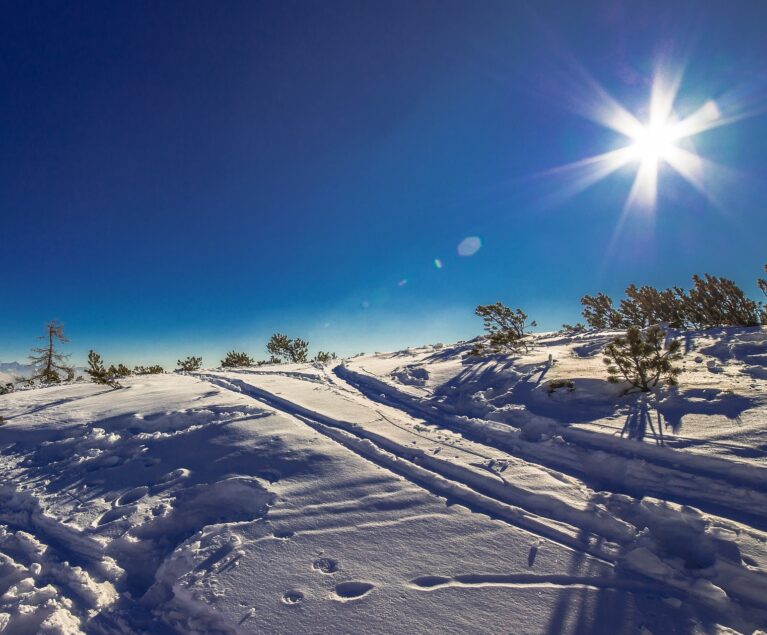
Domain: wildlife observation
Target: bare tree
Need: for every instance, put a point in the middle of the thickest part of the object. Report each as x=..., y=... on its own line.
x=48, y=362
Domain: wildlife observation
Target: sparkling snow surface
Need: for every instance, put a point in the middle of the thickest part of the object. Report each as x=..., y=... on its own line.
x=411, y=492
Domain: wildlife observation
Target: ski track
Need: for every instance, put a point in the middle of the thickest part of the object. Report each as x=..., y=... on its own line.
x=482, y=495
x=704, y=482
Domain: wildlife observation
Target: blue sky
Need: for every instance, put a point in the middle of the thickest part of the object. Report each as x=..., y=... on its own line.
x=187, y=178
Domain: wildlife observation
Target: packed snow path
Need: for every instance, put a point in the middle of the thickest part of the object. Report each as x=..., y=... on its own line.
x=305, y=499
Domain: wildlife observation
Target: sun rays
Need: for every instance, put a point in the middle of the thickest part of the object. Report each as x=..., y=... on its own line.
x=660, y=139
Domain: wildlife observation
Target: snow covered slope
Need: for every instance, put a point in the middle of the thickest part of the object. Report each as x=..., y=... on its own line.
x=403, y=493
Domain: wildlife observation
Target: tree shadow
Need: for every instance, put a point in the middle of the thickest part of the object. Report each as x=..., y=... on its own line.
x=675, y=404
x=639, y=420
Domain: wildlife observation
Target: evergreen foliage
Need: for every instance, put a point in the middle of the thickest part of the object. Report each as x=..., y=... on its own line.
x=599, y=313
x=641, y=359
x=720, y=302
x=121, y=370
x=148, y=370
x=50, y=365
x=280, y=346
x=324, y=357
x=269, y=362
x=506, y=330
x=193, y=363
x=711, y=302
x=234, y=359
x=99, y=374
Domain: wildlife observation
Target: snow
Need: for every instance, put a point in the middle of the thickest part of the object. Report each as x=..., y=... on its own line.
x=416, y=491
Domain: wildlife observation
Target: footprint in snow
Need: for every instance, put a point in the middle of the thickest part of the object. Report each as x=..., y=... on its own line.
x=132, y=496
x=325, y=565
x=115, y=514
x=352, y=590
x=293, y=597
x=283, y=534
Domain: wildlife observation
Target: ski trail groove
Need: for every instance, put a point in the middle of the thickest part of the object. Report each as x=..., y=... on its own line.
x=703, y=482
x=448, y=480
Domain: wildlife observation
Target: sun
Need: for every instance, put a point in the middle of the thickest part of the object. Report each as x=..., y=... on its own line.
x=654, y=143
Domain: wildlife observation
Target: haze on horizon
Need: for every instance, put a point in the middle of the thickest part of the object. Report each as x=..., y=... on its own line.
x=189, y=178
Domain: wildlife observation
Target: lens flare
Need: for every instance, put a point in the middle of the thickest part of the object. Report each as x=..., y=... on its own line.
x=469, y=246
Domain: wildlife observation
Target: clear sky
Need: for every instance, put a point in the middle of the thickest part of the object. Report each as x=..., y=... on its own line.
x=188, y=177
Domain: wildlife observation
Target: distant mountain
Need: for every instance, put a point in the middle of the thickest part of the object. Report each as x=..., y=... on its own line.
x=16, y=368
x=10, y=371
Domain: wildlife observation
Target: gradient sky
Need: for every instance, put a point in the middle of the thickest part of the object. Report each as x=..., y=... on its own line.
x=188, y=177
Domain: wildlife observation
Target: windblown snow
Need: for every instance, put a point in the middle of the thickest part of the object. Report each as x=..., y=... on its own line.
x=412, y=492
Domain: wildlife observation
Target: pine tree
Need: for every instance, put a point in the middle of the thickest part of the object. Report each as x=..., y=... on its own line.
x=290, y=350
x=641, y=359
x=148, y=370
x=97, y=372
x=47, y=361
x=234, y=359
x=506, y=330
x=599, y=313
x=720, y=302
x=121, y=370
x=190, y=364
x=324, y=357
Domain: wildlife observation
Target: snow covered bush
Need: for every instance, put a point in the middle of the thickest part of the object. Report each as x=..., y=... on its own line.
x=641, y=358
x=506, y=330
x=192, y=363
x=97, y=372
x=324, y=357
x=236, y=359
x=290, y=350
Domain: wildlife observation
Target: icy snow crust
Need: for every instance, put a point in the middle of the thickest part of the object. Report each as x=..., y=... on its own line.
x=417, y=491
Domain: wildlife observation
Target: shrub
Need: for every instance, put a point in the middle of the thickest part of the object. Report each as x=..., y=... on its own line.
x=506, y=330
x=711, y=302
x=641, y=359
x=599, y=313
x=234, y=359
x=194, y=363
x=121, y=370
x=290, y=350
x=268, y=362
x=570, y=329
x=324, y=357
x=148, y=370
x=720, y=302
x=97, y=372
x=647, y=305
x=6, y=388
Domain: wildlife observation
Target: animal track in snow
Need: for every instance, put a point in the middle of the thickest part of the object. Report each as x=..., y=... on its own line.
x=352, y=590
